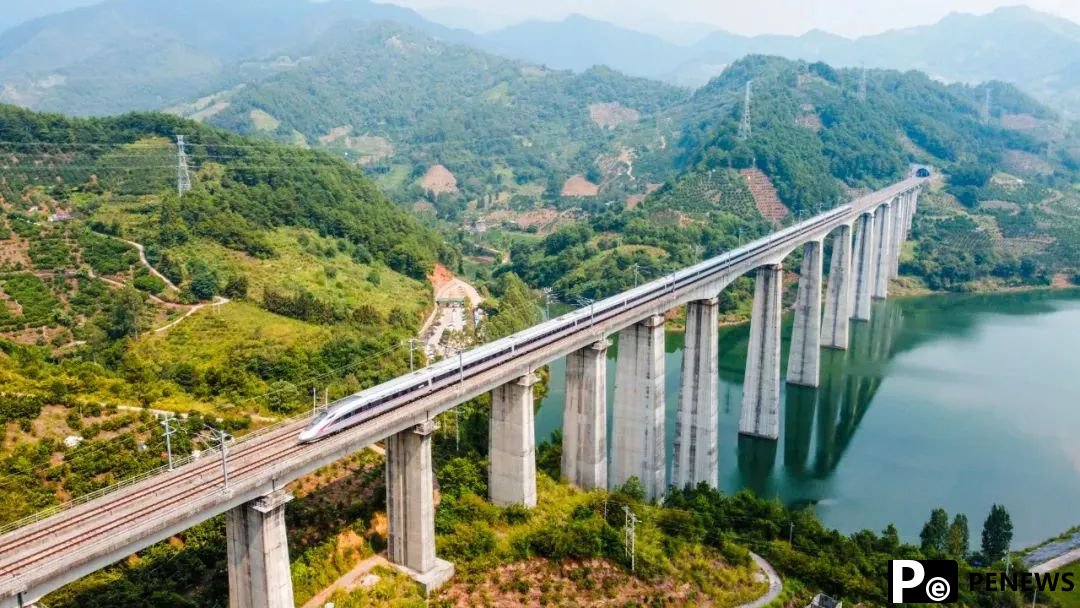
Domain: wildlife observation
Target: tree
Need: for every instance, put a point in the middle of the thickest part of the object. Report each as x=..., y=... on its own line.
x=123, y=317
x=997, y=533
x=204, y=283
x=460, y=476
x=957, y=545
x=236, y=287
x=935, y=533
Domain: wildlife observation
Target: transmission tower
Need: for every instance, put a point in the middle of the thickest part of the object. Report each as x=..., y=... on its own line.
x=862, y=85
x=744, y=127
x=183, y=176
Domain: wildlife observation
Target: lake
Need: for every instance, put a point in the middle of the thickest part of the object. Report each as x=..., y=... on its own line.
x=944, y=401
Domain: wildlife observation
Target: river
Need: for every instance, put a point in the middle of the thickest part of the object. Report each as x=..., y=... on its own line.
x=945, y=401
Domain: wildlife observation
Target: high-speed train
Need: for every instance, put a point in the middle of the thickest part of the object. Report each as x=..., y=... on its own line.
x=406, y=389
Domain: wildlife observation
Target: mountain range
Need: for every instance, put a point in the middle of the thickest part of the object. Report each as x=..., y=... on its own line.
x=147, y=54
x=1037, y=51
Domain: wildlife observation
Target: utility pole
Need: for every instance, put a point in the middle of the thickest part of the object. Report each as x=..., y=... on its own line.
x=744, y=126
x=461, y=367
x=790, y=532
x=630, y=536
x=183, y=176
x=412, y=344
x=636, y=268
x=583, y=302
x=314, y=400
x=168, y=438
x=222, y=437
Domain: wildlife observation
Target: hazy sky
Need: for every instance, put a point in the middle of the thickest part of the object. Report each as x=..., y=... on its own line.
x=845, y=17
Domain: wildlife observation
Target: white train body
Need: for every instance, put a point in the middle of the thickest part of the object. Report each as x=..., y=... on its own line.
x=403, y=390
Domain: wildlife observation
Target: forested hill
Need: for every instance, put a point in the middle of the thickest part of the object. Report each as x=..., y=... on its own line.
x=1009, y=213
x=242, y=187
x=401, y=103
x=279, y=267
x=144, y=54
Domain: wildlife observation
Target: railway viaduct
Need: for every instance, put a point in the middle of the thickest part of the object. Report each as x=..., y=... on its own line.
x=46, y=551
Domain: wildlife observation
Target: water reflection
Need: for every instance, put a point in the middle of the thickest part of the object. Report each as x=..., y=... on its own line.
x=943, y=381
x=823, y=421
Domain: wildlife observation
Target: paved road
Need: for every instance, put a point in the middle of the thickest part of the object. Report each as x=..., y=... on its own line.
x=348, y=581
x=776, y=586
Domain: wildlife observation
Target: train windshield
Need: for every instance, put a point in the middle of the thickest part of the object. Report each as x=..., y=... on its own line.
x=323, y=415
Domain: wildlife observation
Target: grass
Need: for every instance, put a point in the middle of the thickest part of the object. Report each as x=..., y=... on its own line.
x=209, y=336
x=264, y=121
x=499, y=552
x=33, y=296
x=1069, y=599
x=207, y=339
x=334, y=278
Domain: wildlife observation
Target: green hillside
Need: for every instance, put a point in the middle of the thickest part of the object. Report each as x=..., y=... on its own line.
x=400, y=102
x=321, y=272
x=820, y=144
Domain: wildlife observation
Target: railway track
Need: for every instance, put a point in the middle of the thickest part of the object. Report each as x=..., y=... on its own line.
x=135, y=506
x=44, y=552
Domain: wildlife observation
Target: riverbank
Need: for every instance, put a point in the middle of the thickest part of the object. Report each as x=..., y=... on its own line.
x=929, y=384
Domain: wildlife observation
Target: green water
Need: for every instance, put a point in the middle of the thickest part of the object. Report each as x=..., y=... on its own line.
x=950, y=401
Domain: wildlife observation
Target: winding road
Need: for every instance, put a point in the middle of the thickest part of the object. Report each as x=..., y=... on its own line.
x=776, y=586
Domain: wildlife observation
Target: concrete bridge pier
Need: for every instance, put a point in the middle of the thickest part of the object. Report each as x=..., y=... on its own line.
x=835, y=326
x=864, y=267
x=584, y=448
x=258, y=553
x=912, y=208
x=697, y=418
x=897, y=239
x=804, y=361
x=637, y=444
x=883, y=251
x=761, y=387
x=410, y=507
x=512, y=444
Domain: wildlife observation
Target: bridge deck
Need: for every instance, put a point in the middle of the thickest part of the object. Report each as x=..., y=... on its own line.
x=46, y=554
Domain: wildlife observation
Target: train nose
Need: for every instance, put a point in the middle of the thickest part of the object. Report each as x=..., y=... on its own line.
x=308, y=434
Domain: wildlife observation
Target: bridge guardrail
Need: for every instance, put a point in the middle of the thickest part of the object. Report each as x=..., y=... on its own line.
x=130, y=481
x=864, y=201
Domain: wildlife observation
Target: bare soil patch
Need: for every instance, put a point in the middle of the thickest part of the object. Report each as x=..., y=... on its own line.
x=1012, y=208
x=1027, y=163
x=587, y=584
x=1021, y=122
x=578, y=185
x=335, y=134
x=809, y=119
x=439, y=180
x=210, y=111
x=612, y=114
